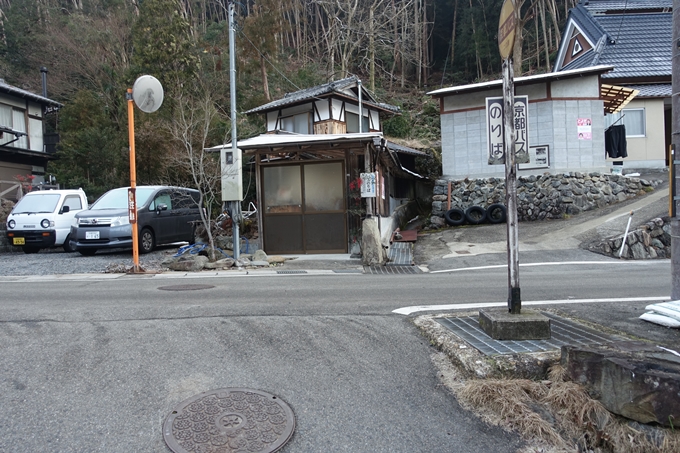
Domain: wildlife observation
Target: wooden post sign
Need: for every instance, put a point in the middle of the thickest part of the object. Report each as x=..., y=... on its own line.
x=506, y=40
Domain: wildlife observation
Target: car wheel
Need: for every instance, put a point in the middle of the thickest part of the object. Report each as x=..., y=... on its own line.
x=67, y=245
x=29, y=250
x=146, y=241
x=454, y=217
x=475, y=215
x=87, y=252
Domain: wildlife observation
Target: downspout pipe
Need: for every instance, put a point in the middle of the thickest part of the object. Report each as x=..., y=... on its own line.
x=361, y=108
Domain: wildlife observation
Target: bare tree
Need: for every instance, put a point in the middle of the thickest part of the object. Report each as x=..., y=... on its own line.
x=194, y=118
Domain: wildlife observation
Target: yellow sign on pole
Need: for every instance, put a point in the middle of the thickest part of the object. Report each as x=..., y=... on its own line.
x=506, y=29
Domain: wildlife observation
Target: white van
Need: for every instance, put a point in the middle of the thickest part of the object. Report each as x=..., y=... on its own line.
x=43, y=219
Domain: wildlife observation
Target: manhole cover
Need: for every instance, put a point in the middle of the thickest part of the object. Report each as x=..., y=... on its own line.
x=184, y=287
x=229, y=420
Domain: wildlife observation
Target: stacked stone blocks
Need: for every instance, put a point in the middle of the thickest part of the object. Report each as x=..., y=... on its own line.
x=547, y=196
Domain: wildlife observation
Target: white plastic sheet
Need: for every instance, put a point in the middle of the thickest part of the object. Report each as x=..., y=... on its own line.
x=665, y=314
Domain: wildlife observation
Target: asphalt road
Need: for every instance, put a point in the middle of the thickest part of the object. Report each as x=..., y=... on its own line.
x=96, y=364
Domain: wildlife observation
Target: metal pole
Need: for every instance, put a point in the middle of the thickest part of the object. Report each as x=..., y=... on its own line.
x=361, y=108
x=514, y=299
x=236, y=204
x=133, y=179
x=625, y=235
x=675, y=221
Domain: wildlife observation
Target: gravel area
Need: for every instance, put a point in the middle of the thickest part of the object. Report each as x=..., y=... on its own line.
x=56, y=261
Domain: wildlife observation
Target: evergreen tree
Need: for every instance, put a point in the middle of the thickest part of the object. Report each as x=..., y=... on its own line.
x=164, y=45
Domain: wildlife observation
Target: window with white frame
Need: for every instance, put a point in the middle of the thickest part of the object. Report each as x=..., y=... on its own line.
x=19, y=125
x=15, y=119
x=633, y=119
x=6, y=116
x=295, y=123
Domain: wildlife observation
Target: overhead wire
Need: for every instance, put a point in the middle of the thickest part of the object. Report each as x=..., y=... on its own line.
x=267, y=59
x=618, y=32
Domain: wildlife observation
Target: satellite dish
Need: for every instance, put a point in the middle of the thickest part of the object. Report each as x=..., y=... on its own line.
x=147, y=93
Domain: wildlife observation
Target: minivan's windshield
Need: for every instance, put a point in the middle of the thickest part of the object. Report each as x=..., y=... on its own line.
x=40, y=202
x=118, y=198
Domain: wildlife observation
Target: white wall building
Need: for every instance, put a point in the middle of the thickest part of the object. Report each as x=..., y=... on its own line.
x=566, y=123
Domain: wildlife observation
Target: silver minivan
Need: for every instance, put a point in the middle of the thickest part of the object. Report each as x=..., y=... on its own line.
x=165, y=215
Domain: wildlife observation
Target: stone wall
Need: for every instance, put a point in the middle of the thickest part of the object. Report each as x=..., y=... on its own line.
x=648, y=241
x=547, y=196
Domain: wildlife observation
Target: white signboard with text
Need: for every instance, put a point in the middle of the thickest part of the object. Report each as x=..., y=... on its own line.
x=369, y=185
x=495, y=129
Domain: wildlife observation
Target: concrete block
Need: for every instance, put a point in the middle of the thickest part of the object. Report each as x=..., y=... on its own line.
x=499, y=324
x=637, y=380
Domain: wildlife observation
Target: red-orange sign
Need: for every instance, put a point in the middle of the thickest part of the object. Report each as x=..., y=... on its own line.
x=506, y=29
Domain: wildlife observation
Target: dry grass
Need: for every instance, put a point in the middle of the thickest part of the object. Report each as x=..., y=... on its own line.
x=559, y=416
x=510, y=400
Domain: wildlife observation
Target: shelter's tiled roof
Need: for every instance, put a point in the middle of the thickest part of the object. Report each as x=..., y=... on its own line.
x=14, y=91
x=639, y=45
x=609, y=6
x=587, y=60
x=286, y=139
x=634, y=36
x=583, y=17
x=345, y=87
x=404, y=149
x=657, y=90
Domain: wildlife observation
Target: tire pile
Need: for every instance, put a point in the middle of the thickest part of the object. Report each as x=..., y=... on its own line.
x=475, y=215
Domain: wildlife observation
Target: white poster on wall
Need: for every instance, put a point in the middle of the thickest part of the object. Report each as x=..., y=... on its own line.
x=585, y=128
x=539, y=157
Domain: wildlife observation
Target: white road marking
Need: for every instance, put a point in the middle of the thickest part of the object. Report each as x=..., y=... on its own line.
x=555, y=263
x=472, y=306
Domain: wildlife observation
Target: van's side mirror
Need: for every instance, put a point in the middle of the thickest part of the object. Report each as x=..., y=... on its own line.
x=161, y=207
x=64, y=209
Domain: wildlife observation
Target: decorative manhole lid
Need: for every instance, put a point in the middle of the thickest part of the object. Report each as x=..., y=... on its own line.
x=237, y=420
x=184, y=287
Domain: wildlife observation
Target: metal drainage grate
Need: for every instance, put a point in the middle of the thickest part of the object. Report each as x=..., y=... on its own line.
x=400, y=254
x=184, y=287
x=229, y=420
x=562, y=331
x=348, y=271
x=392, y=270
x=291, y=272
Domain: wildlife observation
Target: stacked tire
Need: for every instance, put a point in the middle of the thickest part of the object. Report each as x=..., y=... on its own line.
x=475, y=215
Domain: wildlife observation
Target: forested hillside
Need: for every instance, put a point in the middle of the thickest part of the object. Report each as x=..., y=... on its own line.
x=95, y=49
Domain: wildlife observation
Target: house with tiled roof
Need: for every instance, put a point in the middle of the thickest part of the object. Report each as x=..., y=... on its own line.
x=309, y=164
x=25, y=148
x=633, y=36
